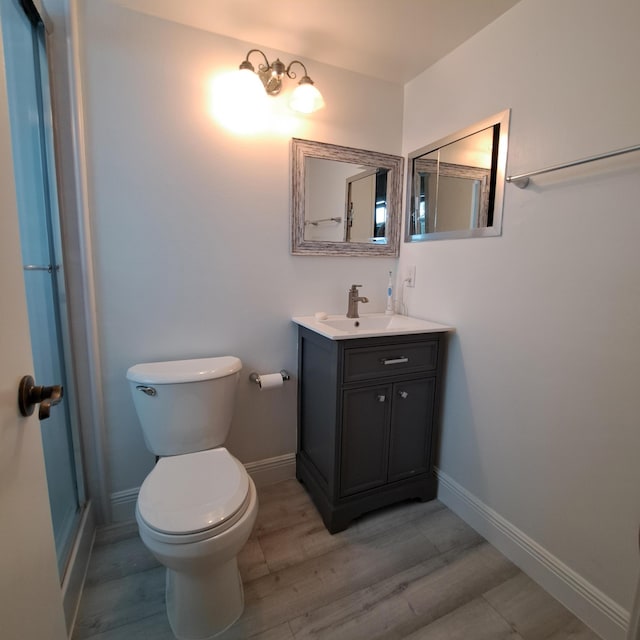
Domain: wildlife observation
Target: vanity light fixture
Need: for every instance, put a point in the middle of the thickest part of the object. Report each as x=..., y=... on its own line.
x=305, y=97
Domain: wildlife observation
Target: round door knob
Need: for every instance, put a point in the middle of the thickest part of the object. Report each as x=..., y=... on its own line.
x=29, y=395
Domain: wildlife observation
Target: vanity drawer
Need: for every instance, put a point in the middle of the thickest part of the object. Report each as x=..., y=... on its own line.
x=388, y=360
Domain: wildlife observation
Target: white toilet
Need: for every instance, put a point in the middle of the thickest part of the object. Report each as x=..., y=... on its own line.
x=197, y=507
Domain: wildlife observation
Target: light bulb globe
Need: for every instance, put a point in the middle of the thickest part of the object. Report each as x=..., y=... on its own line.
x=306, y=98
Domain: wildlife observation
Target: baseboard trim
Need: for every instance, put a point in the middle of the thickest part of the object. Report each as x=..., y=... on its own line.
x=123, y=505
x=591, y=605
x=263, y=472
x=272, y=470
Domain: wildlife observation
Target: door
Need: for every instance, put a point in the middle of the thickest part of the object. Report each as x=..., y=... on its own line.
x=365, y=438
x=361, y=199
x=411, y=428
x=35, y=180
x=31, y=602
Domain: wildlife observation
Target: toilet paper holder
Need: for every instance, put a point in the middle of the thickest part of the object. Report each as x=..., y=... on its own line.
x=255, y=377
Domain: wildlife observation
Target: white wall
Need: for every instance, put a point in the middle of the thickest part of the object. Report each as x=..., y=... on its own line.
x=191, y=226
x=542, y=406
x=191, y=223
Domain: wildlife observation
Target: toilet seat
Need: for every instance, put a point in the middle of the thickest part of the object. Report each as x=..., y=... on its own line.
x=193, y=496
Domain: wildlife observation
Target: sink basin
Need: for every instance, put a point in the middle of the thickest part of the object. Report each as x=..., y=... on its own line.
x=364, y=323
x=369, y=325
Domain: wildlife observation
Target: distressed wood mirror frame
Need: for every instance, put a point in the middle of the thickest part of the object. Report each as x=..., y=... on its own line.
x=389, y=245
x=477, y=175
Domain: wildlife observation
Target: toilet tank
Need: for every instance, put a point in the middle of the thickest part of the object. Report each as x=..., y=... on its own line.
x=185, y=405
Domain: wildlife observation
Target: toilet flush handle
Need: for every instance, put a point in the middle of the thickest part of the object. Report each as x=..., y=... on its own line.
x=150, y=391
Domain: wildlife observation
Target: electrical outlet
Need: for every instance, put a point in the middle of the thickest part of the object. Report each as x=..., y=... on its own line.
x=411, y=276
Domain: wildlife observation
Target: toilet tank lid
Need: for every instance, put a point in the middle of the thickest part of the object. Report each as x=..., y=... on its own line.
x=177, y=371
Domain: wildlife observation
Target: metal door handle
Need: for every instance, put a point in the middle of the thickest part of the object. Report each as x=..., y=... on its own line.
x=381, y=398
x=29, y=395
x=403, y=394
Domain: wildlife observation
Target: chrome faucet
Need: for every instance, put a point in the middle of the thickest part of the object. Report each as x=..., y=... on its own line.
x=354, y=298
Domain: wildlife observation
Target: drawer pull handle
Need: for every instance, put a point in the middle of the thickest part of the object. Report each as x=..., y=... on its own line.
x=381, y=398
x=400, y=360
x=403, y=394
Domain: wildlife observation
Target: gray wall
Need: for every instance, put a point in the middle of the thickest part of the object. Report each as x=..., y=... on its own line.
x=191, y=223
x=542, y=407
x=191, y=228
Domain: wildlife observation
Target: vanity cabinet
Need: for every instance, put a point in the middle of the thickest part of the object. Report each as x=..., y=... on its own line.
x=367, y=421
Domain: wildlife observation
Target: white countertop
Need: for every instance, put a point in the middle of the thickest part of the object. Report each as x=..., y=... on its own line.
x=369, y=325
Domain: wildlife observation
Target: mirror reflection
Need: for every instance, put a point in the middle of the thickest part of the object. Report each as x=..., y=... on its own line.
x=456, y=184
x=344, y=201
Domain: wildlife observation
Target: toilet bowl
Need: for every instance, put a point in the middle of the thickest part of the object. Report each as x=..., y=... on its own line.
x=195, y=512
x=197, y=507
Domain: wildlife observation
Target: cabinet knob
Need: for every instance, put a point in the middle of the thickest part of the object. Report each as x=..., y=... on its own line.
x=381, y=398
x=403, y=394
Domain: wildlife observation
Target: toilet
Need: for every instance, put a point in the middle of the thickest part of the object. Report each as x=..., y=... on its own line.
x=197, y=507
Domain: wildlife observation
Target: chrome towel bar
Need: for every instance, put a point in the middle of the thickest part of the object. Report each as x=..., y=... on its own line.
x=315, y=223
x=42, y=267
x=522, y=179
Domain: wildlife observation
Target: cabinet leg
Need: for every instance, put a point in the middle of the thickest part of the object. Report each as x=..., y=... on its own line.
x=428, y=493
x=336, y=524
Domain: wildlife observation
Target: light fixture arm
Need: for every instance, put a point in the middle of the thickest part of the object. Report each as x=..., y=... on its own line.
x=292, y=75
x=271, y=75
x=246, y=64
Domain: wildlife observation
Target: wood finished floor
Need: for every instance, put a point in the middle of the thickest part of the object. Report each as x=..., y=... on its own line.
x=412, y=571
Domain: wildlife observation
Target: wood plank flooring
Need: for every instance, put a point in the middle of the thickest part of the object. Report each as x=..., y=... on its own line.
x=413, y=571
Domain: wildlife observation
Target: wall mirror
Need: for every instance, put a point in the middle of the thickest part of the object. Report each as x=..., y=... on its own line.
x=344, y=201
x=455, y=186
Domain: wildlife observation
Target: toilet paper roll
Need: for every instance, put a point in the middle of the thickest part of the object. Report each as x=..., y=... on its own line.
x=270, y=381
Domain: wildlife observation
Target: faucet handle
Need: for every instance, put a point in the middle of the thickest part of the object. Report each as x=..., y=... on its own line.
x=355, y=286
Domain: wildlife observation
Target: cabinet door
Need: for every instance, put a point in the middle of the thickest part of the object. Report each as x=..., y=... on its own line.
x=411, y=428
x=365, y=438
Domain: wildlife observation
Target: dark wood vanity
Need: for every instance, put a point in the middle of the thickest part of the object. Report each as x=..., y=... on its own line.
x=368, y=421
